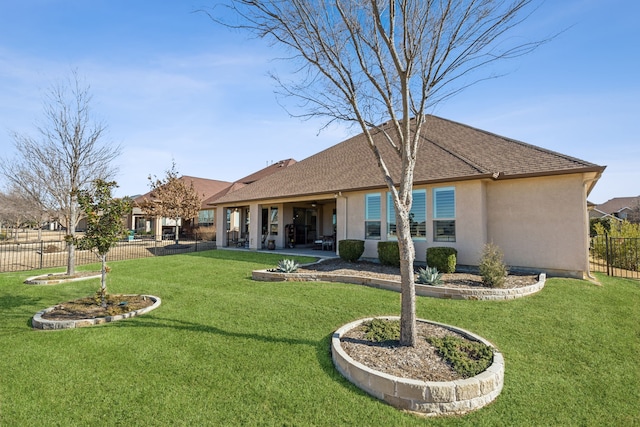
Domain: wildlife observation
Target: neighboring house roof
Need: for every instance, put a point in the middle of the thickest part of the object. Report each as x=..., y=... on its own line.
x=204, y=187
x=619, y=204
x=596, y=213
x=449, y=151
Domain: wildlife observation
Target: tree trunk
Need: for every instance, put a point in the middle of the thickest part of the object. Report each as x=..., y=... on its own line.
x=103, y=281
x=71, y=231
x=177, y=230
x=407, y=282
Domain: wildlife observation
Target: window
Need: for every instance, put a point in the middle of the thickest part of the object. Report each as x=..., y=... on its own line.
x=444, y=214
x=372, y=216
x=247, y=219
x=417, y=216
x=273, y=221
x=206, y=217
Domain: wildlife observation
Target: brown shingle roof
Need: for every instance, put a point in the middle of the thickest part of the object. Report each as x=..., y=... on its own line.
x=449, y=151
x=618, y=204
x=204, y=187
x=243, y=182
x=262, y=173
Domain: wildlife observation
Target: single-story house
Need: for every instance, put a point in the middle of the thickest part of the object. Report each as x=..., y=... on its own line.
x=471, y=187
x=620, y=208
x=207, y=189
x=147, y=224
x=236, y=226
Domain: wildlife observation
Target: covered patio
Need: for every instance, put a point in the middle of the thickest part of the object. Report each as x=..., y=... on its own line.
x=301, y=225
x=289, y=252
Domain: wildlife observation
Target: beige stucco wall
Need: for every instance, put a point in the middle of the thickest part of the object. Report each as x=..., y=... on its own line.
x=539, y=223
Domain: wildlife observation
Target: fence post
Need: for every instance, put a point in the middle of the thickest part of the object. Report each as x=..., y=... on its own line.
x=196, y=238
x=608, y=254
x=41, y=253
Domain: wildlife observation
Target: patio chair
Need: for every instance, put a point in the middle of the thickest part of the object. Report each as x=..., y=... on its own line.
x=327, y=243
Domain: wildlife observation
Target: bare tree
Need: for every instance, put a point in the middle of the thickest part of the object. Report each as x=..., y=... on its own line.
x=19, y=209
x=371, y=61
x=172, y=197
x=634, y=214
x=66, y=156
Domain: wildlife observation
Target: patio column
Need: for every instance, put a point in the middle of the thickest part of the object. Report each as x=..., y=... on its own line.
x=221, y=226
x=255, y=234
x=341, y=219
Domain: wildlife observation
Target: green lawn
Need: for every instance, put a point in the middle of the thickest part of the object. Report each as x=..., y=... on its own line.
x=224, y=350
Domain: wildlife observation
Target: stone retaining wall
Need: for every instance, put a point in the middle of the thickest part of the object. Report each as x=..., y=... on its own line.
x=422, y=290
x=423, y=397
x=37, y=322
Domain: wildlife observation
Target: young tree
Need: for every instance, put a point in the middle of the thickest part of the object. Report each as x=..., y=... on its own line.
x=66, y=157
x=371, y=61
x=172, y=197
x=105, y=224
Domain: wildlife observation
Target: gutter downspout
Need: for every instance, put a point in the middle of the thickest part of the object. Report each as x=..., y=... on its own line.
x=587, y=227
x=345, y=220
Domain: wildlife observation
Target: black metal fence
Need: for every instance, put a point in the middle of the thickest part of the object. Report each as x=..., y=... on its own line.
x=615, y=256
x=47, y=254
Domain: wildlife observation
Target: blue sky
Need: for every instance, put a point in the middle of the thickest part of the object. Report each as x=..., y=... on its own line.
x=170, y=84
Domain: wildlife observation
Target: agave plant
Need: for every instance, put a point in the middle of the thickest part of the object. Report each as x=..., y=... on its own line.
x=287, y=266
x=429, y=276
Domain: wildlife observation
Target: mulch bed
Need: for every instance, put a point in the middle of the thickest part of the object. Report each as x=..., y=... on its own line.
x=89, y=308
x=372, y=269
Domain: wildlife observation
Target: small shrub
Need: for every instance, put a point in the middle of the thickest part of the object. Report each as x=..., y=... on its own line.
x=389, y=253
x=206, y=233
x=467, y=358
x=379, y=330
x=442, y=258
x=492, y=268
x=617, y=244
x=429, y=276
x=287, y=266
x=351, y=250
x=51, y=249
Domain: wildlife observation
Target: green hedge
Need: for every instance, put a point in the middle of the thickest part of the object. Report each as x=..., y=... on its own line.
x=350, y=250
x=442, y=258
x=389, y=253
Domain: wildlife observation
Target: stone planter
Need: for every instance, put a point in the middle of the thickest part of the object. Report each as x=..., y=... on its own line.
x=55, y=278
x=422, y=397
x=493, y=294
x=37, y=322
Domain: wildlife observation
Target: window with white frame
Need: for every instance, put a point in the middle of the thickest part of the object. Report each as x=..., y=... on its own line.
x=444, y=214
x=417, y=216
x=273, y=221
x=206, y=217
x=372, y=210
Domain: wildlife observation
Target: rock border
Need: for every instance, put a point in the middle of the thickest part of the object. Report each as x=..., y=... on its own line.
x=47, y=279
x=485, y=294
x=37, y=322
x=431, y=398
